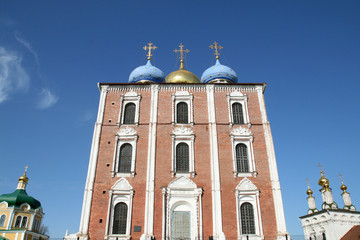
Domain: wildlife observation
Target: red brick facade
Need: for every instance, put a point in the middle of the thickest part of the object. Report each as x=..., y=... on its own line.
x=103, y=180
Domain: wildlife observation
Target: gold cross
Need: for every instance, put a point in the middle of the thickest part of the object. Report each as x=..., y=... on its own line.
x=341, y=178
x=217, y=48
x=182, y=51
x=150, y=47
x=26, y=168
x=307, y=181
x=320, y=167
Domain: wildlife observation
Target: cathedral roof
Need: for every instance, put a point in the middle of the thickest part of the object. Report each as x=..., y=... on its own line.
x=147, y=73
x=18, y=197
x=219, y=72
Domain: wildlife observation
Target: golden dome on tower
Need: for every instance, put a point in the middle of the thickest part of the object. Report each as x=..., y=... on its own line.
x=24, y=178
x=182, y=75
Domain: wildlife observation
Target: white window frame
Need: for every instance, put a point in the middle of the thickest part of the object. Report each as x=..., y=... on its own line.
x=238, y=97
x=186, y=97
x=246, y=191
x=129, y=97
x=243, y=135
x=125, y=135
x=183, y=135
x=121, y=191
x=182, y=194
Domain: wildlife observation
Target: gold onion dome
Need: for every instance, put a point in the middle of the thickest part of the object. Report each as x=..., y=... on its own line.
x=343, y=187
x=309, y=192
x=182, y=76
x=24, y=178
x=323, y=180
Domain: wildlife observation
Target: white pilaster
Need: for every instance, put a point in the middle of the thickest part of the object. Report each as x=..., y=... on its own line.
x=214, y=163
x=150, y=180
x=89, y=187
x=274, y=176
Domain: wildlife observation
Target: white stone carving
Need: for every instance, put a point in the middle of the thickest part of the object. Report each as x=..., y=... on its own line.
x=236, y=94
x=246, y=185
x=182, y=131
x=182, y=182
x=347, y=199
x=122, y=184
x=127, y=131
x=132, y=94
x=241, y=131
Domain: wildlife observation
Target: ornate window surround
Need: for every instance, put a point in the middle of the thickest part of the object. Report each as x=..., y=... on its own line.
x=125, y=135
x=186, y=97
x=245, y=136
x=246, y=191
x=182, y=194
x=183, y=135
x=238, y=97
x=121, y=191
x=129, y=97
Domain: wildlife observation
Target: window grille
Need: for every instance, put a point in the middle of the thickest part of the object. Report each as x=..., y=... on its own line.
x=181, y=225
x=17, y=222
x=125, y=158
x=182, y=158
x=23, y=222
x=182, y=113
x=238, y=115
x=120, y=218
x=247, y=219
x=242, y=162
x=2, y=220
x=129, y=113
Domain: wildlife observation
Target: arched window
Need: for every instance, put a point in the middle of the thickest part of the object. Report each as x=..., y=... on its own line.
x=247, y=219
x=2, y=220
x=242, y=159
x=17, y=222
x=182, y=157
x=23, y=222
x=182, y=113
x=237, y=111
x=125, y=158
x=120, y=218
x=129, y=113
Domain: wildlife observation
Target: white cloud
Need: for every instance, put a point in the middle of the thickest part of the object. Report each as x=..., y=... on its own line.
x=13, y=76
x=28, y=46
x=47, y=99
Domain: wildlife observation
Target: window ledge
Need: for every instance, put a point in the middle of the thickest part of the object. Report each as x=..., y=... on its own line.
x=251, y=236
x=245, y=174
x=132, y=174
x=118, y=237
x=188, y=175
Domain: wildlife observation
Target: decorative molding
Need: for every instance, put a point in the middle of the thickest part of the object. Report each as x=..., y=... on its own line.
x=246, y=185
x=122, y=184
x=182, y=131
x=241, y=131
x=131, y=94
x=182, y=182
x=127, y=131
x=188, y=87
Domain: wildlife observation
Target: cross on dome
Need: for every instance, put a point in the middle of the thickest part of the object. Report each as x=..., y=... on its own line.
x=149, y=47
x=182, y=51
x=217, y=48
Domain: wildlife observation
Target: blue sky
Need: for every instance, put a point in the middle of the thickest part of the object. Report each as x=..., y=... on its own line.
x=53, y=53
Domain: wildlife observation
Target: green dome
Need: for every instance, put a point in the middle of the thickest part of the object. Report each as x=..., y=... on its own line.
x=19, y=197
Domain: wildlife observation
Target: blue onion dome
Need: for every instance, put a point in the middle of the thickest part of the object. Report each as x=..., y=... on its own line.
x=219, y=73
x=147, y=73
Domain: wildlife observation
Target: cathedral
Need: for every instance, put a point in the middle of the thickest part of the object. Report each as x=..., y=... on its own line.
x=20, y=214
x=331, y=222
x=176, y=157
